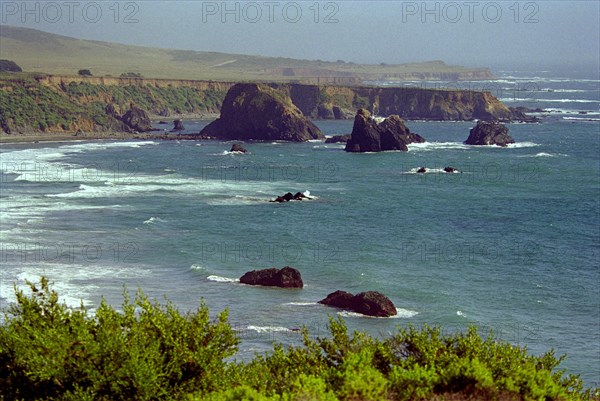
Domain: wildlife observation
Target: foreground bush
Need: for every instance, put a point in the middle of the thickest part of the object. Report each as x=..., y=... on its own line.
x=153, y=352
x=145, y=352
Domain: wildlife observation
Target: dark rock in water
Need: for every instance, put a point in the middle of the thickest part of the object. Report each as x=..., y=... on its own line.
x=289, y=197
x=178, y=125
x=338, y=299
x=236, y=147
x=162, y=122
x=489, y=133
x=259, y=112
x=422, y=170
x=449, y=169
x=371, y=303
x=338, y=139
x=370, y=136
x=288, y=277
x=137, y=119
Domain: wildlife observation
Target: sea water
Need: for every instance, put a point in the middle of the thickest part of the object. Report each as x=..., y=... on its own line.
x=511, y=244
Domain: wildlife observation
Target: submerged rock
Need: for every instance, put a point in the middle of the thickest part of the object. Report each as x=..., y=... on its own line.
x=338, y=139
x=290, y=197
x=370, y=303
x=489, y=133
x=370, y=136
x=288, y=277
x=259, y=112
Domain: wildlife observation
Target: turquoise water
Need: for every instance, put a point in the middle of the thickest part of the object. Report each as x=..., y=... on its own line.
x=511, y=244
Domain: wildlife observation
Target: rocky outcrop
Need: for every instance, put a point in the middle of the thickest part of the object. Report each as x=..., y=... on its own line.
x=489, y=133
x=370, y=136
x=290, y=197
x=259, y=112
x=137, y=119
x=338, y=139
x=288, y=277
x=178, y=125
x=370, y=303
x=236, y=147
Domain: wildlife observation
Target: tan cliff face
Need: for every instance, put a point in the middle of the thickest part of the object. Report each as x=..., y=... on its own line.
x=82, y=101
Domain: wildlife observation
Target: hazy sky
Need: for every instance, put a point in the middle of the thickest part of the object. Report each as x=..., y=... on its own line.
x=472, y=33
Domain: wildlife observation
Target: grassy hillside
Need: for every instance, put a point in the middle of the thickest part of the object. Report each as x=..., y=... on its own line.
x=37, y=51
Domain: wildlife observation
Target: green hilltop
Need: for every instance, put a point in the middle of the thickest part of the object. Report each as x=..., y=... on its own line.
x=38, y=51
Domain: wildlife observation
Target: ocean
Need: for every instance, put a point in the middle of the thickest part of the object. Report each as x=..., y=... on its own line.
x=511, y=244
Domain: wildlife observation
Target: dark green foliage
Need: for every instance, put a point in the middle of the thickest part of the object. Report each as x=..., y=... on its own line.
x=145, y=352
x=151, y=352
x=131, y=75
x=84, y=73
x=9, y=66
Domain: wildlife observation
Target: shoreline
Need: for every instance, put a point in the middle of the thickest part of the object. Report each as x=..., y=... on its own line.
x=69, y=137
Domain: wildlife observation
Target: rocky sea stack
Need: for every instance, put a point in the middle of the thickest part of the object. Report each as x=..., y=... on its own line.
x=259, y=112
x=370, y=303
x=288, y=277
x=370, y=136
x=178, y=125
x=489, y=133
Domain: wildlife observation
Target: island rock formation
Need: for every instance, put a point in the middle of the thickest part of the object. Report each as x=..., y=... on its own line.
x=259, y=112
x=370, y=136
x=178, y=125
x=288, y=277
x=370, y=303
x=489, y=133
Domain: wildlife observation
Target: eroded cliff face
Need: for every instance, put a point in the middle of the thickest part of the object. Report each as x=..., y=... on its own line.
x=70, y=103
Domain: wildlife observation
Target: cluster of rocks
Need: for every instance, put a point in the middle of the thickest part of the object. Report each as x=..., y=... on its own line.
x=447, y=169
x=291, y=197
x=368, y=135
x=370, y=303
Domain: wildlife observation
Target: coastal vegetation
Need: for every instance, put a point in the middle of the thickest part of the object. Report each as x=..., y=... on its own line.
x=145, y=350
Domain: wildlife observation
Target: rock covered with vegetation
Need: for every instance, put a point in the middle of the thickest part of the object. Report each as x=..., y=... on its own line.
x=368, y=135
x=259, y=112
x=147, y=351
x=489, y=133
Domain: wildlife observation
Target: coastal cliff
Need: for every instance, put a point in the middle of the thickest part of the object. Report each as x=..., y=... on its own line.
x=52, y=103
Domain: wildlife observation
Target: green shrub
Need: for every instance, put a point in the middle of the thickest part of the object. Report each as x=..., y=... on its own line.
x=146, y=352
